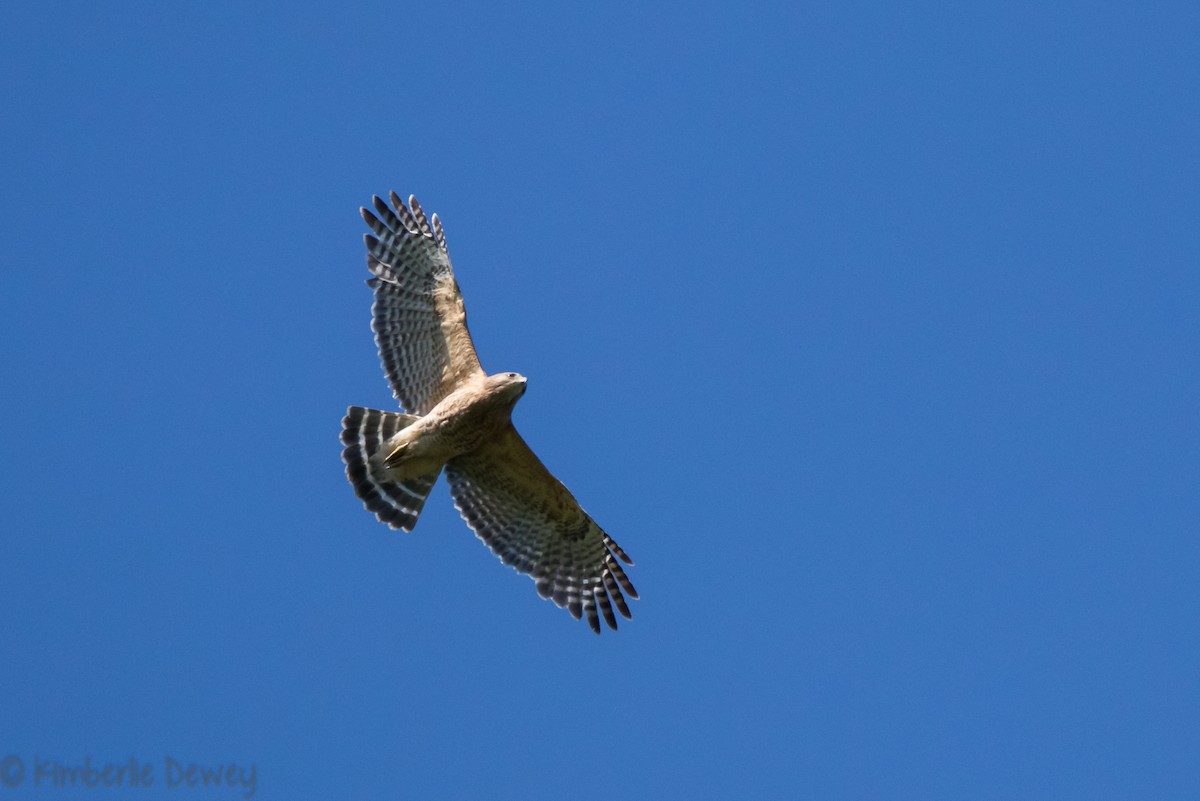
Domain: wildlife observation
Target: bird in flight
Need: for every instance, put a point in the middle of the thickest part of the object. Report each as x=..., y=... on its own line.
x=458, y=418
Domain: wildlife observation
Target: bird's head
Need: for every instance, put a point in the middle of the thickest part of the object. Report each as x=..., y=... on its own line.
x=508, y=386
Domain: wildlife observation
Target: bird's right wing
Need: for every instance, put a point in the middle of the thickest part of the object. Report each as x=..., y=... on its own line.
x=418, y=317
x=533, y=523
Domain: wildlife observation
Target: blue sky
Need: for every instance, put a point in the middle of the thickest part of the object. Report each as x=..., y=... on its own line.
x=869, y=330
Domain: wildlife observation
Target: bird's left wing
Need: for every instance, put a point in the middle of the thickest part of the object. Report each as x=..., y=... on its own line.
x=533, y=523
x=419, y=319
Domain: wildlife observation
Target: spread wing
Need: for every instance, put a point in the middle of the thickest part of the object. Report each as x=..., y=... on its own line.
x=418, y=317
x=533, y=523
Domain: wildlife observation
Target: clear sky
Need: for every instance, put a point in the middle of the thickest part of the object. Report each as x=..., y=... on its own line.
x=870, y=330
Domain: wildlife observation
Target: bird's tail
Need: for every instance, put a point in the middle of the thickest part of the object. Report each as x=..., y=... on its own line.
x=397, y=503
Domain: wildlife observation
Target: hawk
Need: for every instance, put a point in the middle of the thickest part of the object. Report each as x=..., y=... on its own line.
x=457, y=418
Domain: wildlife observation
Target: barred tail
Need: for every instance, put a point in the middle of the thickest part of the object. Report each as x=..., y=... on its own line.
x=398, y=504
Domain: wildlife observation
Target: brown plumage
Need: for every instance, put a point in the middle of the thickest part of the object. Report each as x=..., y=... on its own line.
x=460, y=419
